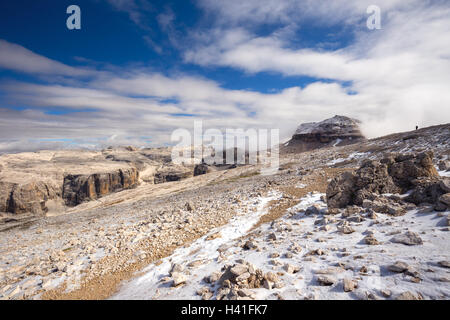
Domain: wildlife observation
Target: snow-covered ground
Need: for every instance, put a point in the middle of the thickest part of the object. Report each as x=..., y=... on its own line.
x=203, y=253
x=354, y=155
x=343, y=256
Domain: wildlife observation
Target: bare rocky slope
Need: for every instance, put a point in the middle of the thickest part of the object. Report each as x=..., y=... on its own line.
x=368, y=220
x=39, y=182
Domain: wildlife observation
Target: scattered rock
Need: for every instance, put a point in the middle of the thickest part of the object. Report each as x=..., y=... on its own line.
x=386, y=293
x=444, y=264
x=370, y=240
x=409, y=238
x=189, y=206
x=346, y=229
x=326, y=280
x=407, y=295
x=289, y=268
x=250, y=245
x=178, y=279
x=398, y=267
x=349, y=285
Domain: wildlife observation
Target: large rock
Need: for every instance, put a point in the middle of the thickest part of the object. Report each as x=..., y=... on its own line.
x=80, y=188
x=404, y=169
x=201, y=168
x=337, y=131
x=390, y=175
x=408, y=238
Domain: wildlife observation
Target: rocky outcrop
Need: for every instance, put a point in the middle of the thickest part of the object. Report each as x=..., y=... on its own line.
x=431, y=191
x=172, y=173
x=84, y=187
x=26, y=198
x=336, y=131
x=404, y=169
x=393, y=174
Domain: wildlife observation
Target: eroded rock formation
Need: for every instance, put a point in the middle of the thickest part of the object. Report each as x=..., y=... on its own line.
x=80, y=188
x=393, y=174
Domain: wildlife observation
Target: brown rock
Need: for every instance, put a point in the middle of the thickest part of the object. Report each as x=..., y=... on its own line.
x=370, y=240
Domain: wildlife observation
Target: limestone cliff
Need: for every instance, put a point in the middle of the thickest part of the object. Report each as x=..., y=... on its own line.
x=84, y=187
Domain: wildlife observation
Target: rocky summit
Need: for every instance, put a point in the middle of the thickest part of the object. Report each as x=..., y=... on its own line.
x=336, y=131
x=338, y=220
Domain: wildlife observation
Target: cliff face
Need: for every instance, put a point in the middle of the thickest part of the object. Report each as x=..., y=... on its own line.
x=83, y=187
x=33, y=197
x=47, y=182
x=336, y=131
x=29, y=197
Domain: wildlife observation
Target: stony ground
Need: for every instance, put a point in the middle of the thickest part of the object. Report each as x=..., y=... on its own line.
x=98, y=249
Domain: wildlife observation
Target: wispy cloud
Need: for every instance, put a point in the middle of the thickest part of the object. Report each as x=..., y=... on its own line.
x=135, y=9
x=17, y=58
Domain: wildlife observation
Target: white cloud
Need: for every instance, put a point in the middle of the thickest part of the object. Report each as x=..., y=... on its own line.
x=398, y=78
x=17, y=58
x=399, y=73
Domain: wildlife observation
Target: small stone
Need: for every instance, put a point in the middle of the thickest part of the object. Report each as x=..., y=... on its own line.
x=176, y=268
x=349, y=285
x=189, y=206
x=245, y=293
x=444, y=264
x=370, y=240
x=289, y=268
x=312, y=210
x=398, y=267
x=386, y=293
x=346, y=229
x=249, y=245
x=325, y=280
x=178, y=279
x=288, y=255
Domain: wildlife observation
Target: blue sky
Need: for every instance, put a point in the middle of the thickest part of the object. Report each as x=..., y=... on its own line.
x=139, y=69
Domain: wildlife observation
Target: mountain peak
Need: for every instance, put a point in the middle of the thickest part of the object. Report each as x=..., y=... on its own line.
x=336, y=131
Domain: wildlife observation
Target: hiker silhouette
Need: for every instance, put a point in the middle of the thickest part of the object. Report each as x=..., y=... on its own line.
x=417, y=127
